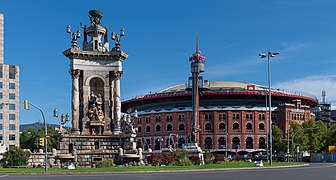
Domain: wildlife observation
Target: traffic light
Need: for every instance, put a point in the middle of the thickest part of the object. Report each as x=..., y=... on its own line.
x=25, y=104
x=41, y=141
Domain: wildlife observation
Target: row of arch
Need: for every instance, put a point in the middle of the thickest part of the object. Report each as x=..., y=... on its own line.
x=207, y=126
x=235, y=126
x=208, y=143
x=169, y=128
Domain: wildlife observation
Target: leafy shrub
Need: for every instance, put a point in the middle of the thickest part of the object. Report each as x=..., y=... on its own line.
x=105, y=163
x=182, y=162
x=164, y=158
x=180, y=154
x=16, y=157
x=208, y=157
x=167, y=158
x=155, y=159
x=219, y=158
x=195, y=160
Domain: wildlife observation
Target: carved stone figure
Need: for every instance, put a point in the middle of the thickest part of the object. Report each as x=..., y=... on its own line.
x=85, y=33
x=128, y=124
x=96, y=112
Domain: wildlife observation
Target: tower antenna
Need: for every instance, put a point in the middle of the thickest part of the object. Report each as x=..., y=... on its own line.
x=197, y=52
x=323, y=96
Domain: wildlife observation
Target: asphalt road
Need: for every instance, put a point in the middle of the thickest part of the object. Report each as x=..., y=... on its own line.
x=325, y=171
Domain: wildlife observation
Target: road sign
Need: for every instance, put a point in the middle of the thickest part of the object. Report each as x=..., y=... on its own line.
x=48, y=136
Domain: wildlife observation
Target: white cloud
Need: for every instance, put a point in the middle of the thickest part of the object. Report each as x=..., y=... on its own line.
x=294, y=46
x=232, y=68
x=313, y=85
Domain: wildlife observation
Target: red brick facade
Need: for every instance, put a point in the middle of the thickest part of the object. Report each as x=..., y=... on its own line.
x=248, y=126
x=229, y=118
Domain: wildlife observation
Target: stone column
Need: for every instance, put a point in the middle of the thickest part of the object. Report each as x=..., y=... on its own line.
x=107, y=112
x=75, y=100
x=117, y=103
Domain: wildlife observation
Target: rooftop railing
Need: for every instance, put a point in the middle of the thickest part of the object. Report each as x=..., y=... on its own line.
x=226, y=89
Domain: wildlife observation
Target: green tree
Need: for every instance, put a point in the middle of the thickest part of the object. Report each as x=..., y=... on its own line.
x=277, y=140
x=309, y=136
x=16, y=157
x=330, y=137
x=29, y=139
x=316, y=133
x=298, y=136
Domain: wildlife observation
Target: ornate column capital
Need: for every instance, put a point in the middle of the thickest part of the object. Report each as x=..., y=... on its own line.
x=116, y=74
x=74, y=73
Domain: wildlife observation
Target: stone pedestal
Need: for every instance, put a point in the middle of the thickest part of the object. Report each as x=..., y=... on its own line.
x=194, y=150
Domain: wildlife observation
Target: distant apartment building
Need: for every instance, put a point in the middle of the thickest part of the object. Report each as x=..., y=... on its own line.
x=9, y=99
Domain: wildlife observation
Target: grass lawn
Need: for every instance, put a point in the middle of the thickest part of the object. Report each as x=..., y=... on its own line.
x=143, y=168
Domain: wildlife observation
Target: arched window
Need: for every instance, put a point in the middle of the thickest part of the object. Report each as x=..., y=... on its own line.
x=181, y=127
x=158, y=144
x=222, y=126
x=208, y=127
x=249, y=126
x=235, y=126
x=181, y=141
x=249, y=143
x=157, y=128
x=208, y=143
x=235, y=143
x=262, y=143
x=262, y=126
x=148, y=128
x=139, y=129
x=221, y=143
x=169, y=143
x=221, y=116
x=147, y=144
x=139, y=144
x=169, y=127
x=206, y=116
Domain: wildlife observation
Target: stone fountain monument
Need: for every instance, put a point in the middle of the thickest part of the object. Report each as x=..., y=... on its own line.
x=98, y=130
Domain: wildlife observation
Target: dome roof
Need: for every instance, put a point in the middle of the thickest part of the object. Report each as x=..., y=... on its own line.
x=223, y=91
x=215, y=85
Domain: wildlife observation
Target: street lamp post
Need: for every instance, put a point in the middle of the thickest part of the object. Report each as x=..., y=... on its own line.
x=64, y=118
x=287, y=139
x=267, y=155
x=226, y=138
x=269, y=55
x=298, y=132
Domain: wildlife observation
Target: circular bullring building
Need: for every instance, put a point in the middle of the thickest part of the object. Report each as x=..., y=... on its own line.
x=232, y=115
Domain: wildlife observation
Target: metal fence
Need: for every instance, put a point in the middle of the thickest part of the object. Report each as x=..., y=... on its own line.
x=321, y=157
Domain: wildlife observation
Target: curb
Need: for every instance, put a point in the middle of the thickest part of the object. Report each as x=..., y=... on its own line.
x=151, y=171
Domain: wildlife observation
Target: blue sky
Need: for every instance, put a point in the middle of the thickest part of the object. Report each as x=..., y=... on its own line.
x=160, y=37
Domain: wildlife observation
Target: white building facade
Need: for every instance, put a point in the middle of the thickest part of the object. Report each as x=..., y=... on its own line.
x=9, y=99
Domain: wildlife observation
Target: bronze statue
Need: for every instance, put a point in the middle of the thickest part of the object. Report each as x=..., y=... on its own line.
x=85, y=34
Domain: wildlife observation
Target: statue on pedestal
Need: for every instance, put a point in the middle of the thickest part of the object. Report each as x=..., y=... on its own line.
x=96, y=112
